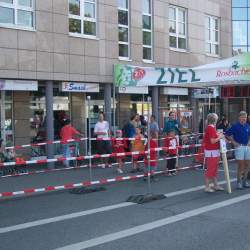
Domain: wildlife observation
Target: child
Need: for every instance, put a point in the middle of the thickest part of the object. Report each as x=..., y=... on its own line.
x=171, y=141
x=137, y=145
x=119, y=146
x=153, y=155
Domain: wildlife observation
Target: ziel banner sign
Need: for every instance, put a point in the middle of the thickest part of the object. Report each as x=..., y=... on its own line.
x=232, y=69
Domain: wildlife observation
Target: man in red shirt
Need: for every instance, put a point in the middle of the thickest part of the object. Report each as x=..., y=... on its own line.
x=212, y=153
x=67, y=133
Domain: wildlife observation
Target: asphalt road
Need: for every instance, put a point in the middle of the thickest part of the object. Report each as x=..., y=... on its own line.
x=188, y=219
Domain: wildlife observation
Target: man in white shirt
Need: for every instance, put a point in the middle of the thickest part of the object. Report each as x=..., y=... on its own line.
x=102, y=131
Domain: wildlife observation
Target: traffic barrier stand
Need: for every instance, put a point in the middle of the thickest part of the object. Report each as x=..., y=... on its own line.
x=149, y=196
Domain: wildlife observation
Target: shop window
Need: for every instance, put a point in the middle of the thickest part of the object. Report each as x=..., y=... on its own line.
x=61, y=109
x=6, y=117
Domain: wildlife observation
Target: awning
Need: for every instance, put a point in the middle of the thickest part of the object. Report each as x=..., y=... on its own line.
x=234, y=70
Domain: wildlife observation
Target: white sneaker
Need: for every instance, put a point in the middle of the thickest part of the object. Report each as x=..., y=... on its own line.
x=119, y=171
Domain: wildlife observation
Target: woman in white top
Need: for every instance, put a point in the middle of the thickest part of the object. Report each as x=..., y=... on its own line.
x=102, y=131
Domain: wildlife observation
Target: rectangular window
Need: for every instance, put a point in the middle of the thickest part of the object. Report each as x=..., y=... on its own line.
x=147, y=34
x=17, y=13
x=82, y=17
x=177, y=27
x=123, y=28
x=212, y=35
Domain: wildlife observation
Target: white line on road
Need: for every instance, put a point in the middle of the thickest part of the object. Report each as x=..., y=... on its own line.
x=89, y=212
x=152, y=225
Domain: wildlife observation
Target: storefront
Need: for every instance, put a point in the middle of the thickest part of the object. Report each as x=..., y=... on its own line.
x=131, y=101
x=236, y=98
x=177, y=100
x=8, y=105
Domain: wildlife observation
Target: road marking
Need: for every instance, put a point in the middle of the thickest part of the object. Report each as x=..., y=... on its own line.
x=63, y=217
x=89, y=212
x=152, y=225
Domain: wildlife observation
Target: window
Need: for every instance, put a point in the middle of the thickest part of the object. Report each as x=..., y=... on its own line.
x=239, y=3
x=82, y=17
x=239, y=13
x=177, y=28
x=123, y=28
x=17, y=13
x=147, y=38
x=212, y=35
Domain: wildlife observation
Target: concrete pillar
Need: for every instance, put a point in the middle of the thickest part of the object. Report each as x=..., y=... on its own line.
x=123, y=112
x=49, y=120
x=22, y=114
x=155, y=102
x=107, y=103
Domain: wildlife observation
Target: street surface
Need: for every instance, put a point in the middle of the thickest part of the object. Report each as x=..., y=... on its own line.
x=186, y=220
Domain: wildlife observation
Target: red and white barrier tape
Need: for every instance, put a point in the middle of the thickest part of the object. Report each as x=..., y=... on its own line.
x=45, y=143
x=87, y=166
x=60, y=159
x=28, y=191
x=82, y=139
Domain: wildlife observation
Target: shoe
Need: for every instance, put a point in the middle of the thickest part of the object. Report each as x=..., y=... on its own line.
x=246, y=184
x=119, y=171
x=103, y=166
x=153, y=178
x=168, y=174
x=174, y=173
x=239, y=185
x=218, y=188
x=209, y=190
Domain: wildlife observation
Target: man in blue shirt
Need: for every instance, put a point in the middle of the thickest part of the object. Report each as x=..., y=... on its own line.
x=239, y=134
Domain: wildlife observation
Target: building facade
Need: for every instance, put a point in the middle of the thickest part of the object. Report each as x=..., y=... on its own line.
x=236, y=98
x=48, y=46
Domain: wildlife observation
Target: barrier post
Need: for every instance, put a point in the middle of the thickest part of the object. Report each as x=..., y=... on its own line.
x=89, y=146
x=223, y=150
x=148, y=155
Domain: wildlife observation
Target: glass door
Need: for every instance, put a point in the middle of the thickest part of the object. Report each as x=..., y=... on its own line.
x=6, y=116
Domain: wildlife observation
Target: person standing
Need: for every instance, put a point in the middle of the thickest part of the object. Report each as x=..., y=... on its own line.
x=153, y=126
x=223, y=124
x=170, y=145
x=67, y=132
x=119, y=145
x=238, y=134
x=102, y=132
x=171, y=124
x=212, y=153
